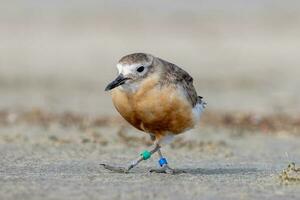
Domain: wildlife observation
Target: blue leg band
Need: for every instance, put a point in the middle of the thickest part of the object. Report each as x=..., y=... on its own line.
x=162, y=162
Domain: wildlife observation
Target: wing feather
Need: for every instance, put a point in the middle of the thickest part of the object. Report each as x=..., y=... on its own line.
x=176, y=75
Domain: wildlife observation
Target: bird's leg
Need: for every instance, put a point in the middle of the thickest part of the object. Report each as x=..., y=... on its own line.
x=144, y=156
x=165, y=167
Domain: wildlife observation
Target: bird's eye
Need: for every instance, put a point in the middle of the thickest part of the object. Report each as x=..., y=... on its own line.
x=140, y=69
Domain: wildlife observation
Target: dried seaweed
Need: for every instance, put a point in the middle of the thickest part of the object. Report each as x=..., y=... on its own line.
x=290, y=175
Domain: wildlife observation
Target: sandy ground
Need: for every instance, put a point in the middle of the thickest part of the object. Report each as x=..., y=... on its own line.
x=60, y=160
x=57, y=124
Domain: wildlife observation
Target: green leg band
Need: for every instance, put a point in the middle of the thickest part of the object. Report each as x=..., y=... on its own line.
x=146, y=155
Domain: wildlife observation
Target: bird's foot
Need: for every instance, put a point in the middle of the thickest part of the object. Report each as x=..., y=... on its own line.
x=115, y=169
x=167, y=170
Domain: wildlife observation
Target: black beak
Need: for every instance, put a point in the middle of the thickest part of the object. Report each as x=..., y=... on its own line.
x=120, y=80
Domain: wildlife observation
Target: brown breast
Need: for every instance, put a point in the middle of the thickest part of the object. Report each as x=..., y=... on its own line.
x=153, y=109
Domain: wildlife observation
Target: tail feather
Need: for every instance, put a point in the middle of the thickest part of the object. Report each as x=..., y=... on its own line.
x=198, y=109
x=201, y=102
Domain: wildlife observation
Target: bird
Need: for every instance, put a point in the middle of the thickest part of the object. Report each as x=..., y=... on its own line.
x=156, y=97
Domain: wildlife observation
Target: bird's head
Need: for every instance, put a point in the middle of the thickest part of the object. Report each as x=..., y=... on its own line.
x=132, y=69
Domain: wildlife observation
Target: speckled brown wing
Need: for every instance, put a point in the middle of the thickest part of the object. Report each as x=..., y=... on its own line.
x=175, y=75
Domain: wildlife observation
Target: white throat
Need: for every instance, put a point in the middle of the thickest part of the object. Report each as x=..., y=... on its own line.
x=130, y=87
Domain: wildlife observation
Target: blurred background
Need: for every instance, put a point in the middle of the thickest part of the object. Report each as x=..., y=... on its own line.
x=57, y=124
x=59, y=55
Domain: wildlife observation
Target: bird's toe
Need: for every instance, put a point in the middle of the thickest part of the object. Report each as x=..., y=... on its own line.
x=167, y=170
x=115, y=168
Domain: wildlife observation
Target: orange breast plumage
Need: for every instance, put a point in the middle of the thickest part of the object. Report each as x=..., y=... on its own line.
x=155, y=109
